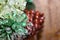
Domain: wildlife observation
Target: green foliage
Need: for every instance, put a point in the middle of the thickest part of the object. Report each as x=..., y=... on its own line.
x=12, y=17
x=30, y=6
x=13, y=23
x=29, y=0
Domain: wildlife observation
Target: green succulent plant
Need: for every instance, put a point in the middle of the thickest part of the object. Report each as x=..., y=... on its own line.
x=13, y=20
x=13, y=23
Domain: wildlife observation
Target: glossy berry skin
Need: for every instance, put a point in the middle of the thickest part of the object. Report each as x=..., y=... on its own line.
x=36, y=18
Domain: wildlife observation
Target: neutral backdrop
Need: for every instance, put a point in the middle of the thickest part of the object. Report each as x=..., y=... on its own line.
x=51, y=10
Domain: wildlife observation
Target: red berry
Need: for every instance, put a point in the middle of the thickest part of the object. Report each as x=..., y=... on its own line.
x=41, y=14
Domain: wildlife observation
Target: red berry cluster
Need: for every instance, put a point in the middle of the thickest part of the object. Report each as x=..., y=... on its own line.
x=36, y=18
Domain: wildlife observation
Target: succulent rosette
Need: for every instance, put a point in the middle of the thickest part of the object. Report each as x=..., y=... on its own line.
x=13, y=23
x=13, y=20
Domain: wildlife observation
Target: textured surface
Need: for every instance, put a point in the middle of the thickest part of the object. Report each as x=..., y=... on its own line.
x=51, y=9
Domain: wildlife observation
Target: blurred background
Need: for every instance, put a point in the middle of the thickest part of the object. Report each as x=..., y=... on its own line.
x=51, y=10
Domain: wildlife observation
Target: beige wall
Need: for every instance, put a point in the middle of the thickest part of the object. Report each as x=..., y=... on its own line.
x=51, y=9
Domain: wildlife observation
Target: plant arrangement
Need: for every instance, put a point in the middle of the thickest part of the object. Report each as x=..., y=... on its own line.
x=18, y=19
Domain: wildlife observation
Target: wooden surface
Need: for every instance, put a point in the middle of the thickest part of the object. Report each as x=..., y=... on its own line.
x=51, y=9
